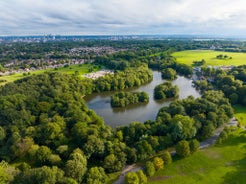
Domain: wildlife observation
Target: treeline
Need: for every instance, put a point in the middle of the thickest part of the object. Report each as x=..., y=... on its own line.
x=182, y=120
x=123, y=99
x=232, y=83
x=131, y=77
x=166, y=90
x=165, y=61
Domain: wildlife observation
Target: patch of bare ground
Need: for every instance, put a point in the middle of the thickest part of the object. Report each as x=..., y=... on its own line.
x=212, y=154
x=160, y=178
x=180, y=170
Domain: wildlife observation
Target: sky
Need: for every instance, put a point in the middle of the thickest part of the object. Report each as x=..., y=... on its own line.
x=124, y=17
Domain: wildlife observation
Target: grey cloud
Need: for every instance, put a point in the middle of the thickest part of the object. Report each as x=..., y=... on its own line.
x=121, y=16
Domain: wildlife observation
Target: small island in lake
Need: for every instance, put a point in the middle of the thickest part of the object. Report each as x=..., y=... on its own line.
x=166, y=90
x=122, y=99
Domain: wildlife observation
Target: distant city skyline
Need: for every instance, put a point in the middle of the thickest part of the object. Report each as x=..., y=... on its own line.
x=123, y=17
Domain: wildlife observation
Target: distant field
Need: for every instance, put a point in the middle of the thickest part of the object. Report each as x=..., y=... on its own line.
x=82, y=69
x=224, y=163
x=187, y=57
x=240, y=114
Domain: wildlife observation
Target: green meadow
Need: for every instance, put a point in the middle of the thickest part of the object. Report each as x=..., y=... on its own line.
x=240, y=114
x=225, y=163
x=187, y=57
x=79, y=69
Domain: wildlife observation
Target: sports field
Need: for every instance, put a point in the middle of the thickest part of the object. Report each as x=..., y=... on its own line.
x=187, y=57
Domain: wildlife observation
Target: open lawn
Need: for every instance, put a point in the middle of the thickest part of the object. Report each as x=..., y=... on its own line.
x=240, y=114
x=225, y=163
x=81, y=69
x=187, y=57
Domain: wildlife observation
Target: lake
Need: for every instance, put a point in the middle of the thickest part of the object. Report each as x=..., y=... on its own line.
x=100, y=102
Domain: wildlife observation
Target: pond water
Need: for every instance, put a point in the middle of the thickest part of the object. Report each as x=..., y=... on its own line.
x=114, y=117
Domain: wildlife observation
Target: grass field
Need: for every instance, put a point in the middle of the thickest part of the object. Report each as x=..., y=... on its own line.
x=240, y=114
x=187, y=57
x=82, y=69
x=224, y=163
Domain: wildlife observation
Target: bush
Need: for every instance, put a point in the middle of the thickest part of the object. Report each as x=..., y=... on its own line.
x=167, y=158
x=131, y=178
x=142, y=177
x=158, y=163
x=183, y=148
x=194, y=145
x=149, y=169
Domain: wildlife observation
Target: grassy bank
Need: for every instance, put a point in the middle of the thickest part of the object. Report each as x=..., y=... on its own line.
x=224, y=163
x=187, y=57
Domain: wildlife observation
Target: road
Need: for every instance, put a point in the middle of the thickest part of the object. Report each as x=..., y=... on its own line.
x=204, y=144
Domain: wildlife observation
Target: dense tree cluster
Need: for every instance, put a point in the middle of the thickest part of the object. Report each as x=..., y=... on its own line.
x=169, y=74
x=46, y=124
x=123, y=99
x=199, y=63
x=182, y=120
x=232, y=83
x=166, y=90
x=128, y=78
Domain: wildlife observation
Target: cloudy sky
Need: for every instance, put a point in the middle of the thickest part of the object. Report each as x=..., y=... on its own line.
x=90, y=17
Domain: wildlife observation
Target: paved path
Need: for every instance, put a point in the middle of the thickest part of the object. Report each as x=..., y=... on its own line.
x=129, y=168
x=213, y=139
x=204, y=144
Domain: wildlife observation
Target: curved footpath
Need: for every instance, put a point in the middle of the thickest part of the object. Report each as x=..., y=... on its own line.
x=205, y=144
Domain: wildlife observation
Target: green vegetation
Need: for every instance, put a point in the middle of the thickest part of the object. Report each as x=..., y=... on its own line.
x=48, y=134
x=166, y=90
x=167, y=158
x=123, y=99
x=73, y=69
x=136, y=178
x=183, y=148
x=189, y=56
x=224, y=163
x=169, y=74
x=131, y=77
x=240, y=114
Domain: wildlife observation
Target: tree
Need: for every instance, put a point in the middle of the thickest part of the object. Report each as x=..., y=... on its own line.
x=168, y=73
x=183, y=127
x=183, y=148
x=2, y=134
x=149, y=169
x=167, y=158
x=93, y=146
x=112, y=163
x=158, y=163
x=96, y=175
x=76, y=166
x=142, y=177
x=42, y=155
x=165, y=90
x=42, y=175
x=131, y=178
x=194, y=145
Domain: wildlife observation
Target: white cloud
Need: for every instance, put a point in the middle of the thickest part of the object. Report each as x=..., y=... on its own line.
x=122, y=16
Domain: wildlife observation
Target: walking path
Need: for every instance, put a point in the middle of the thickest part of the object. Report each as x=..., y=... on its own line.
x=205, y=144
